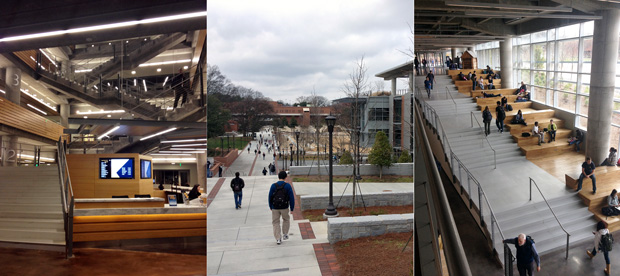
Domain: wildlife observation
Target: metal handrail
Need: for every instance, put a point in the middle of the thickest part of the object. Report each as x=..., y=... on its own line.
x=456, y=106
x=552, y=212
x=453, y=248
x=485, y=138
x=470, y=177
x=66, y=191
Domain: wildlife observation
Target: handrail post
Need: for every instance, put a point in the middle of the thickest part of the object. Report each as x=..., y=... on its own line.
x=530, y=189
x=494, y=158
x=567, y=243
x=480, y=203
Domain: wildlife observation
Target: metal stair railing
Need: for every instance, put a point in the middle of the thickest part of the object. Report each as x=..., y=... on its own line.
x=67, y=197
x=473, y=118
x=456, y=106
x=552, y=212
x=481, y=198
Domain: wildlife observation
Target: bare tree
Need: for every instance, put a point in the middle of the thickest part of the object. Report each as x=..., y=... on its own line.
x=355, y=87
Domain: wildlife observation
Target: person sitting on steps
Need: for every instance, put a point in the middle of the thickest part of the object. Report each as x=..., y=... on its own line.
x=587, y=171
x=552, y=128
x=536, y=131
x=518, y=119
x=611, y=160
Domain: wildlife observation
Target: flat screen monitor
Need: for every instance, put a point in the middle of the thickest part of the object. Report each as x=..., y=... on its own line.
x=116, y=168
x=145, y=168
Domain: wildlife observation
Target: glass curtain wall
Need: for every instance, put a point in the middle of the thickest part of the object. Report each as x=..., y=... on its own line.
x=556, y=66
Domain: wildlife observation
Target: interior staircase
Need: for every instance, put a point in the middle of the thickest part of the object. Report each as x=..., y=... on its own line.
x=31, y=206
x=469, y=145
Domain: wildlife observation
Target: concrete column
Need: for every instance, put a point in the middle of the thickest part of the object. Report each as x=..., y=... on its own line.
x=453, y=53
x=391, y=108
x=64, y=115
x=505, y=60
x=10, y=151
x=604, y=56
x=201, y=163
x=13, y=81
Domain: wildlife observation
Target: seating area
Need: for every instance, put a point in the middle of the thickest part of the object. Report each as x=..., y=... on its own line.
x=605, y=182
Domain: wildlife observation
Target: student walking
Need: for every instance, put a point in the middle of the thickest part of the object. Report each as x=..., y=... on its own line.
x=237, y=186
x=500, y=115
x=587, y=170
x=264, y=171
x=487, y=117
x=427, y=86
x=603, y=240
x=280, y=199
x=527, y=256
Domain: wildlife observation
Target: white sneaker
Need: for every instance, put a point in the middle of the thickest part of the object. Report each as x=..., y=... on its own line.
x=278, y=242
x=285, y=237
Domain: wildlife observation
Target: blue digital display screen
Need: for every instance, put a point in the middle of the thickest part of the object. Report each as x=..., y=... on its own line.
x=116, y=168
x=145, y=168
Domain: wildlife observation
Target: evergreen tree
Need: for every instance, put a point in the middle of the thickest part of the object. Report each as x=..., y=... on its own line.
x=293, y=122
x=381, y=152
x=284, y=122
x=346, y=158
x=404, y=157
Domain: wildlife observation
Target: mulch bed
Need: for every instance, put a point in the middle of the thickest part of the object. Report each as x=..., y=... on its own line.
x=317, y=215
x=379, y=255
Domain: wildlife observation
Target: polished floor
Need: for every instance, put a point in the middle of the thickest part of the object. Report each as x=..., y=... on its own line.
x=92, y=262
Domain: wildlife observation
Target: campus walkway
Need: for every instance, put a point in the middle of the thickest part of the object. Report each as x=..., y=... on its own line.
x=241, y=242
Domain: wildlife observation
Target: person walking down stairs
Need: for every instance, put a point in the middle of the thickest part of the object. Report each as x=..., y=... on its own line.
x=603, y=240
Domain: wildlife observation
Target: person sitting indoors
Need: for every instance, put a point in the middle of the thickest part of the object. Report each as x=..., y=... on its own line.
x=461, y=76
x=611, y=160
x=552, y=128
x=518, y=119
x=469, y=76
x=577, y=139
x=521, y=90
x=195, y=192
x=612, y=202
x=481, y=83
x=497, y=76
x=490, y=81
x=524, y=98
x=538, y=132
x=489, y=70
x=504, y=101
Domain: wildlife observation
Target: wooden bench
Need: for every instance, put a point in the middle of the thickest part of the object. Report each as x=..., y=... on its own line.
x=605, y=182
x=561, y=135
x=496, y=82
x=121, y=227
x=515, y=106
x=455, y=72
x=468, y=91
x=493, y=101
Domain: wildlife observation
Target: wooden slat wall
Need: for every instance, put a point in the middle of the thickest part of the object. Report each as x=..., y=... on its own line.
x=99, y=228
x=18, y=117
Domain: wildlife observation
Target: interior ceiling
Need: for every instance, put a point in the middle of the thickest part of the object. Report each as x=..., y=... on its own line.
x=446, y=24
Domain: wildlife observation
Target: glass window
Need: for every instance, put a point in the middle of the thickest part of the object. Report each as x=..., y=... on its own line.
x=568, y=31
x=588, y=28
x=539, y=36
x=540, y=94
x=550, y=77
x=540, y=56
x=567, y=82
x=587, y=55
x=582, y=122
x=551, y=34
x=551, y=97
x=614, y=138
x=540, y=78
x=379, y=114
x=583, y=105
x=585, y=84
x=525, y=76
x=566, y=101
x=568, y=55
x=551, y=55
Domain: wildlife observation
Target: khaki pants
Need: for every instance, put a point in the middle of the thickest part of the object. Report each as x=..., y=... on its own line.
x=275, y=221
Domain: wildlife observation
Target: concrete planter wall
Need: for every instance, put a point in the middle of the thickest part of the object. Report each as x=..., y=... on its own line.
x=405, y=169
x=340, y=229
x=309, y=202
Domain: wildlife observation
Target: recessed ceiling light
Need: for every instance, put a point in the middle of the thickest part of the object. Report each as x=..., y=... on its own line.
x=185, y=67
x=109, y=43
x=158, y=69
x=133, y=72
x=109, y=115
x=85, y=117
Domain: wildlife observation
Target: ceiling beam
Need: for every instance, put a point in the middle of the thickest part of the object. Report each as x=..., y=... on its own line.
x=482, y=37
x=150, y=123
x=506, y=6
x=421, y=22
x=492, y=14
x=489, y=29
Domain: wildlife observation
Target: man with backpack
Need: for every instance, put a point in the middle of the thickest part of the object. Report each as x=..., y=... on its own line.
x=237, y=186
x=603, y=240
x=527, y=256
x=500, y=116
x=281, y=198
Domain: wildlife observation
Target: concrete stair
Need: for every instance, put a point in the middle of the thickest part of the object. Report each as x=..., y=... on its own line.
x=31, y=206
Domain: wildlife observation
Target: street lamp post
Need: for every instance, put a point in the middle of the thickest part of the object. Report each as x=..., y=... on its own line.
x=222, y=145
x=297, y=142
x=291, y=153
x=331, y=210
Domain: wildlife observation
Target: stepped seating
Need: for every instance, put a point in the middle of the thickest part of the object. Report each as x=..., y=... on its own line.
x=515, y=106
x=605, y=182
x=493, y=101
x=455, y=77
x=496, y=82
x=466, y=89
x=506, y=92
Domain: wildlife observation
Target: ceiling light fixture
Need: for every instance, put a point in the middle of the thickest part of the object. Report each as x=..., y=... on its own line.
x=133, y=72
x=31, y=106
x=188, y=149
x=25, y=91
x=175, y=159
x=158, y=69
x=42, y=158
x=185, y=67
x=100, y=112
x=48, y=57
x=165, y=62
x=108, y=132
x=144, y=83
x=83, y=70
x=106, y=26
x=159, y=133
x=166, y=80
x=135, y=83
x=189, y=145
x=166, y=154
x=2, y=91
x=183, y=141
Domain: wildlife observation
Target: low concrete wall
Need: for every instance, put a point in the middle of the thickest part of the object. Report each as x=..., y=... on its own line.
x=365, y=169
x=339, y=229
x=309, y=202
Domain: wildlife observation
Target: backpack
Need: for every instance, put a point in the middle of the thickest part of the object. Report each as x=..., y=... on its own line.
x=526, y=134
x=236, y=185
x=279, y=200
x=501, y=114
x=608, y=211
x=509, y=107
x=607, y=242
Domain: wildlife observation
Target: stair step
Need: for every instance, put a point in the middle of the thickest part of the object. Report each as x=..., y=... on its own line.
x=34, y=214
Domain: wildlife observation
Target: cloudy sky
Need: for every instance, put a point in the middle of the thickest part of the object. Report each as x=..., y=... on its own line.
x=285, y=48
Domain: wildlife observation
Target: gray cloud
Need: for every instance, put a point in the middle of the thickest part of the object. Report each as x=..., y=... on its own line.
x=285, y=48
